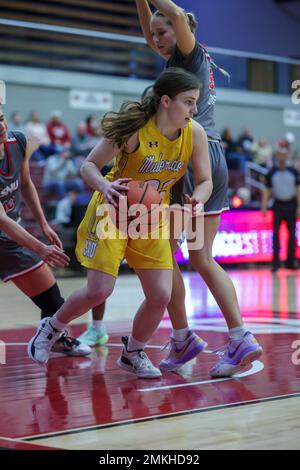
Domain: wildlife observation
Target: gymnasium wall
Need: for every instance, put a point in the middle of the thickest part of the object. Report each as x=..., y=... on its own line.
x=248, y=25
x=45, y=90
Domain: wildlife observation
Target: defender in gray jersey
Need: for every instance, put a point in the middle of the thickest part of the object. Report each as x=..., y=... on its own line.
x=25, y=259
x=170, y=33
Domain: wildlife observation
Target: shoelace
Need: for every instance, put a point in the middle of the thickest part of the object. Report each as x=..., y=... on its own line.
x=168, y=345
x=145, y=361
x=65, y=338
x=45, y=341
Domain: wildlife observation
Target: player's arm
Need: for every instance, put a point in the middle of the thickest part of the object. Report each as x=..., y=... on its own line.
x=30, y=195
x=184, y=37
x=145, y=15
x=201, y=168
x=101, y=155
x=51, y=254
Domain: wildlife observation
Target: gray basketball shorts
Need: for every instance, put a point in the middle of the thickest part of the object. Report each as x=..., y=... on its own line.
x=218, y=201
x=16, y=260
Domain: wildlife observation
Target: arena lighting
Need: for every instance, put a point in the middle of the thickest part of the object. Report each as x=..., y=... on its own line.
x=237, y=202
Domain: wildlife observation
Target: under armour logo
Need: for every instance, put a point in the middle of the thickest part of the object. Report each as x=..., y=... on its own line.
x=153, y=144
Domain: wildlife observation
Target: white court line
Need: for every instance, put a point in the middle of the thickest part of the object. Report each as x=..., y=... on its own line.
x=257, y=366
x=152, y=417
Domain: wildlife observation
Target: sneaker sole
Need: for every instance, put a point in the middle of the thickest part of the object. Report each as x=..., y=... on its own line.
x=248, y=359
x=166, y=368
x=133, y=371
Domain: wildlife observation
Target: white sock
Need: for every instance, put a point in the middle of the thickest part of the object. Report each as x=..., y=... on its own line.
x=134, y=344
x=58, y=325
x=98, y=325
x=180, y=335
x=237, y=333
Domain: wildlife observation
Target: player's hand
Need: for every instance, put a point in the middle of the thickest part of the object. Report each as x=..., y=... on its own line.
x=52, y=236
x=53, y=255
x=197, y=206
x=32, y=144
x=115, y=190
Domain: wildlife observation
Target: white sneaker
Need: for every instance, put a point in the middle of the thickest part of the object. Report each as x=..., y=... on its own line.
x=137, y=362
x=40, y=345
x=70, y=346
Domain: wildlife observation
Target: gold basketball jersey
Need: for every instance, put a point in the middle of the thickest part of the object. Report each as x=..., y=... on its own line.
x=158, y=160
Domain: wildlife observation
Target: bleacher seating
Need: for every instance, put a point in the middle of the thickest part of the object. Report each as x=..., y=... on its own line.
x=42, y=48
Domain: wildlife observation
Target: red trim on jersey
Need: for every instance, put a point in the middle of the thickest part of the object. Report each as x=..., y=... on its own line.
x=9, y=165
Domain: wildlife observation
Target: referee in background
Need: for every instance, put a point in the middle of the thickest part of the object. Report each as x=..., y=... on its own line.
x=283, y=185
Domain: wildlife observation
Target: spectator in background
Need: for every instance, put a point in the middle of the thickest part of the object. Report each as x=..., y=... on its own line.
x=58, y=131
x=262, y=152
x=245, y=142
x=93, y=127
x=61, y=173
x=35, y=127
x=15, y=123
x=227, y=141
x=63, y=213
x=68, y=222
x=82, y=141
x=283, y=184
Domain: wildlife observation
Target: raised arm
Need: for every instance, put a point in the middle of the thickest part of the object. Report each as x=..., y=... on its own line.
x=184, y=37
x=145, y=15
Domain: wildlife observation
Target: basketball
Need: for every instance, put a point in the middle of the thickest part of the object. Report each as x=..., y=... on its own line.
x=142, y=204
x=142, y=192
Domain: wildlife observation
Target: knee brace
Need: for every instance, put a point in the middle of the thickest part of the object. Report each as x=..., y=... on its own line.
x=49, y=301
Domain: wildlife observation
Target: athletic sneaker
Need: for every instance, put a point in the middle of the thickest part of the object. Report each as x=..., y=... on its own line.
x=182, y=351
x=137, y=362
x=235, y=355
x=93, y=337
x=70, y=346
x=40, y=345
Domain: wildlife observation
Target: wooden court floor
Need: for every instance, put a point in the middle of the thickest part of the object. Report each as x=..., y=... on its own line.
x=89, y=403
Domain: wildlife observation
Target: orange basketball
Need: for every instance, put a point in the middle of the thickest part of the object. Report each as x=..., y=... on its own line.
x=141, y=192
x=141, y=206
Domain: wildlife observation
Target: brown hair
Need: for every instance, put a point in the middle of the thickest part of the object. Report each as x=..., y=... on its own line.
x=133, y=115
x=190, y=18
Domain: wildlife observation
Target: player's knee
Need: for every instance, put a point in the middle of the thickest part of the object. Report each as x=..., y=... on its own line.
x=98, y=296
x=202, y=263
x=161, y=299
x=49, y=301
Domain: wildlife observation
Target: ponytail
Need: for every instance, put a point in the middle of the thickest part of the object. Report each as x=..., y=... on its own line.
x=119, y=127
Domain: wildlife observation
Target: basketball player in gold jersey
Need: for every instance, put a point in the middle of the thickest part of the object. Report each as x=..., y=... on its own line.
x=138, y=137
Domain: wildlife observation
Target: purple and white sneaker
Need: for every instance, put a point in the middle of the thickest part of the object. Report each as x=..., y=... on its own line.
x=235, y=355
x=182, y=351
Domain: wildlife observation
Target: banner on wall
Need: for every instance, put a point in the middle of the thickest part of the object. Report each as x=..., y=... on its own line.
x=246, y=237
x=93, y=100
